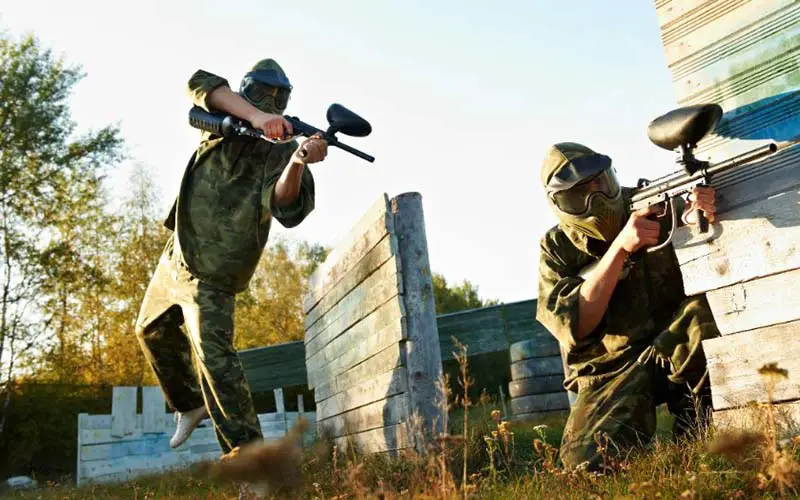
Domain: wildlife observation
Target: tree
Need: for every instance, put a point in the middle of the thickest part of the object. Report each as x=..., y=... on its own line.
x=42, y=164
x=270, y=311
x=456, y=298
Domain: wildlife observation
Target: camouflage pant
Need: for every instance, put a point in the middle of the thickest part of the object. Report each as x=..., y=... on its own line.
x=196, y=365
x=623, y=406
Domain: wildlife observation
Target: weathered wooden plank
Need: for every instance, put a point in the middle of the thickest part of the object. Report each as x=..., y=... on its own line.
x=386, y=276
x=123, y=411
x=362, y=301
x=371, y=262
x=375, y=389
x=423, y=353
x=391, y=438
x=695, y=52
x=383, y=413
x=756, y=418
x=273, y=367
x=754, y=304
x=374, y=333
x=734, y=360
x=755, y=240
x=279, y=402
x=366, y=233
x=386, y=360
x=153, y=408
x=86, y=421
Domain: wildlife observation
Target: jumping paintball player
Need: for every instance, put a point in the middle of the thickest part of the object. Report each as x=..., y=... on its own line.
x=631, y=338
x=231, y=190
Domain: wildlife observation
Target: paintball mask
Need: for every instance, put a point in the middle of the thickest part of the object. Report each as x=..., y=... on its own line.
x=583, y=190
x=266, y=87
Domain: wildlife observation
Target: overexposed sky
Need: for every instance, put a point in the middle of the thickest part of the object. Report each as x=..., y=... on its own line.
x=464, y=98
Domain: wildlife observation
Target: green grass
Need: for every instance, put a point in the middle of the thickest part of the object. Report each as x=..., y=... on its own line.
x=684, y=470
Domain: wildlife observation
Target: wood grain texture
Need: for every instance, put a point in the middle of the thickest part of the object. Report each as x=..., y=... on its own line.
x=387, y=439
x=384, y=413
x=734, y=360
x=366, y=233
x=394, y=356
x=153, y=409
x=423, y=353
x=755, y=240
x=756, y=418
x=375, y=291
x=754, y=304
x=370, y=263
x=372, y=334
x=374, y=389
x=123, y=411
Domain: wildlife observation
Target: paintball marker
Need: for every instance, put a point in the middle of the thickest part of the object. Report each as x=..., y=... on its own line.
x=681, y=129
x=340, y=119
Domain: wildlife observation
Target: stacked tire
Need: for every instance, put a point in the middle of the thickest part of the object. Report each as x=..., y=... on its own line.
x=537, y=377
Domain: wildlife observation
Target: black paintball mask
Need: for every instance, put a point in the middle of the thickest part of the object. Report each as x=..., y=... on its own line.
x=267, y=89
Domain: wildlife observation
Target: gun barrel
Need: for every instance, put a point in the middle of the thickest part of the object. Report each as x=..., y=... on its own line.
x=678, y=179
x=746, y=157
x=209, y=122
x=353, y=151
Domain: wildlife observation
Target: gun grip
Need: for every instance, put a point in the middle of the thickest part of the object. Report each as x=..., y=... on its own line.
x=702, y=221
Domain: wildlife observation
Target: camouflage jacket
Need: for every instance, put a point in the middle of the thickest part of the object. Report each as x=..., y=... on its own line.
x=223, y=211
x=641, y=306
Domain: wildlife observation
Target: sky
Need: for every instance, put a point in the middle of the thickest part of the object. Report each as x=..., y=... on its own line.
x=464, y=98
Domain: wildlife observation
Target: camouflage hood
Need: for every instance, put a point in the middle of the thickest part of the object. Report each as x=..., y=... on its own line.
x=565, y=171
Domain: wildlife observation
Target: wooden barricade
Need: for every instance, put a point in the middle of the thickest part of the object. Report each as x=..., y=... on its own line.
x=745, y=56
x=372, y=350
x=125, y=444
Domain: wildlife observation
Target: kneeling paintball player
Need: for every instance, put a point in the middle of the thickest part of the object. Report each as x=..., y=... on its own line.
x=631, y=338
x=230, y=192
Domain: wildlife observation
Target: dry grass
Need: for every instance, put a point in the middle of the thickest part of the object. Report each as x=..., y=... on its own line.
x=482, y=456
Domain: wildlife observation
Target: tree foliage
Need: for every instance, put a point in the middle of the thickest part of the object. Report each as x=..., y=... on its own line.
x=456, y=298
x=50, y=181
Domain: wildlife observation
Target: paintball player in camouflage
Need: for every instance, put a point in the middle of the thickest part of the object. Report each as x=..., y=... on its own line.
x=231, y=190
x=630, y=337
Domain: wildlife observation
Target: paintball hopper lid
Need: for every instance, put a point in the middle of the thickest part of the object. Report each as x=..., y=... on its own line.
x=684, y=126
x=345, y=121
x=570, y=163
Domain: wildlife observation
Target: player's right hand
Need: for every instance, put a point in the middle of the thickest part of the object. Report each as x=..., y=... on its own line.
x=639, y=231
x=273, y=126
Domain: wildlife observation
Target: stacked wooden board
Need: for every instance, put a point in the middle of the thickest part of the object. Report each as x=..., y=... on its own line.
x=537, y=379
x=124, y=445
x=372, y=350
x=745, y=56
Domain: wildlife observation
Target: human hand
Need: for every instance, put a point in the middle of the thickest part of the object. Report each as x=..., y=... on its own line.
x=273, y=126
x=639, y=231
x=312, y=150
x=701, y=198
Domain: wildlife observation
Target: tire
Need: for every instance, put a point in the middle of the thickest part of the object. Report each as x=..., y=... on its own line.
x=537, y=367
x=535, y=385
x=540, y=403
x=536, y=416
x=534, y=348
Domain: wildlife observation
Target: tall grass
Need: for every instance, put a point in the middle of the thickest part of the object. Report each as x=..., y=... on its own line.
x=479, y=454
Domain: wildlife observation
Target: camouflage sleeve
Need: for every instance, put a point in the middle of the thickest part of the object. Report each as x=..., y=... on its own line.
x=201, y=85
x=294, y=214
x=559, y=289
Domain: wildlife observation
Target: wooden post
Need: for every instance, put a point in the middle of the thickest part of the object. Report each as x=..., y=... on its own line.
x=423, y=353
x=123, y=411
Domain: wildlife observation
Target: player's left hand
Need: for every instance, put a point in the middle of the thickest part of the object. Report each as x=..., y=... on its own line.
x=701, y=198
x=312, y=150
